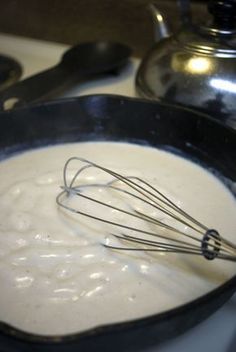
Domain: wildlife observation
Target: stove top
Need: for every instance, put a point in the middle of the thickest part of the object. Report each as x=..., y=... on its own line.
x=217, y=333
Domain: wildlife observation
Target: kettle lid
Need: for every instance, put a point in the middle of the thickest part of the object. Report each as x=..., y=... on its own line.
x=208, y=41
x=217, y=39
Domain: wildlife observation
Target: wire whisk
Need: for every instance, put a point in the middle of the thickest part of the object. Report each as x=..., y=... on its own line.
x=157, y=235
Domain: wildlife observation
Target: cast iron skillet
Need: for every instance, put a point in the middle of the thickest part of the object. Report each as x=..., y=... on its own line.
x=116, y=118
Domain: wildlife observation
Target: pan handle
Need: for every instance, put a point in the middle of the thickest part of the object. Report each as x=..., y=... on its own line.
x=42, y=86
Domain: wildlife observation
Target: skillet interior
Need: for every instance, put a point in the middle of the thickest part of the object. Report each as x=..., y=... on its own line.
x=117, y=118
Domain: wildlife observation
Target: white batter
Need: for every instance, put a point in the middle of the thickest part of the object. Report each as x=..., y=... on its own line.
x=57, y=278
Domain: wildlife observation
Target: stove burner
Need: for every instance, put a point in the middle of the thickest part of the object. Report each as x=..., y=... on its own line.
x=10, y=71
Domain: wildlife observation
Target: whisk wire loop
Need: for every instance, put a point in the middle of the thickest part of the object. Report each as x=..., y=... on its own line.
x=204, y=241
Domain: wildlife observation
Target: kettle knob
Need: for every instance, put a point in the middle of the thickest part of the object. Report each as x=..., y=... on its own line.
x=224, y=13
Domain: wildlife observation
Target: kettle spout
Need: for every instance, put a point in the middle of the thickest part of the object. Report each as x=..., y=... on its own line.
x=161, y=29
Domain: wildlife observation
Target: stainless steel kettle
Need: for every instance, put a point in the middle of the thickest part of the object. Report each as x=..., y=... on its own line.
x=195, y=67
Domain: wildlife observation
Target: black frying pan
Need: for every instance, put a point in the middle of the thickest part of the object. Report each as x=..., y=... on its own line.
x=189, y=133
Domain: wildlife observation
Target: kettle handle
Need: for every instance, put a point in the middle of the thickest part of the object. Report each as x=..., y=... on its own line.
x=185, y=11
x=161, y=29
x=160, y=25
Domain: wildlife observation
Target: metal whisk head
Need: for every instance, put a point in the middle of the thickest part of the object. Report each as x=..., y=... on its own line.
x=157, y=235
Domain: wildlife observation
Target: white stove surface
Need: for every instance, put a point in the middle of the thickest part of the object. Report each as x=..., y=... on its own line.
x=217, y=333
